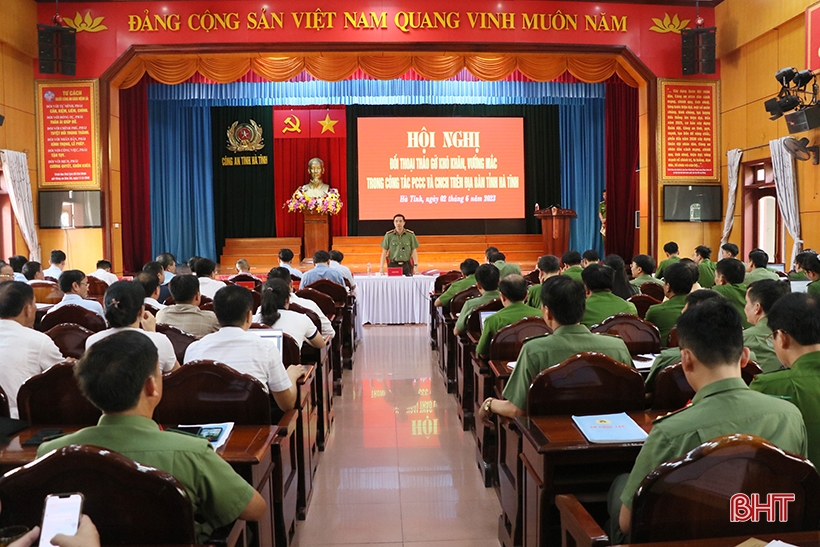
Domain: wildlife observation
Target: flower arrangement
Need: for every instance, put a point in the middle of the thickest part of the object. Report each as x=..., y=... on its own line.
x=329, y=204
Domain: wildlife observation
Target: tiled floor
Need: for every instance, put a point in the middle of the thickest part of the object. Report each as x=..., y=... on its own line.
x=398, y=470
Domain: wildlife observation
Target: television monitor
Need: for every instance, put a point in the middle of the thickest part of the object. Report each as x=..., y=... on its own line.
x=692, y=203
x=70, y=209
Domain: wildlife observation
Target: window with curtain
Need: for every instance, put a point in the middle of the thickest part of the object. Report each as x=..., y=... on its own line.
x=762, y=223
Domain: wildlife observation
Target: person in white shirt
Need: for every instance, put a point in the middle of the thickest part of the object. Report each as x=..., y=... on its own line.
x=284, y=275
x=33, y=271
x=244, y=351
x=285, y=258
x=169, y=267
x=6, y=272
x=150, y=284
x=56, y=264
x=75, y=286
x=17, y=262
x=124, y=310
x=336, y=258
x=275, y=313
x=103, y=272
x=26, y=352
x=205, y=270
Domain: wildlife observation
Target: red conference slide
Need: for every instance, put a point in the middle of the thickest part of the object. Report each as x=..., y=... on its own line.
x=441, y=168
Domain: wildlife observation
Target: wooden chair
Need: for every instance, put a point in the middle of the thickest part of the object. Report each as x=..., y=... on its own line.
x=655, y=290
x=4, y=404
x=70, y=339
x=334, y=290
x=587, y=383
x=96, y=287
x=533, y=278
x=325, y=302
x=639, y=335
x=344, y=305
x=438, y=287
x=72, y=313
x=248, y=281
x=53, y=398
x=672, y=391
x=46, y=292
x=179, y=339
x=458, y=301
x=749, y=371
x=206, y=391
x=151, y=309
x=507, y=342
x=672, y=339
x=290, y=351
x=205, y=303
x=642, y=303
x=445, y=279
x=128, y=502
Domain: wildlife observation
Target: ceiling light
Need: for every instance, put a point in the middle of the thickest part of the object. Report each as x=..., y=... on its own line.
x=802, y=78
x=784, y=76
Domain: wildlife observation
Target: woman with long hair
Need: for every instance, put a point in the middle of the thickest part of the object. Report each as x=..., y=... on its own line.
x=275, y=313
x=620, y=286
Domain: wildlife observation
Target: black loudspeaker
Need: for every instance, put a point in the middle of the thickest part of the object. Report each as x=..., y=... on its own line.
x=57, y=50
x=803, y=120
x=698, y=50
x=2, y=119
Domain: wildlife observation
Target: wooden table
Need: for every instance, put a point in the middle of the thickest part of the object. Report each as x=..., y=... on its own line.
x=803, y=539
x=557, y=459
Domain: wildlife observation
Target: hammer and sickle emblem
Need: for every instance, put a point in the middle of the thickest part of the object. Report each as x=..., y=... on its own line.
x=292, y=123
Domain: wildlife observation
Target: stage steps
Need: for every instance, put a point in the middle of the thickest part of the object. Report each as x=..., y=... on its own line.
x=261, y=252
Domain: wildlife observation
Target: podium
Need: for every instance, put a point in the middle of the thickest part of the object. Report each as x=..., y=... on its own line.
x=555, y=229
x=316, y=234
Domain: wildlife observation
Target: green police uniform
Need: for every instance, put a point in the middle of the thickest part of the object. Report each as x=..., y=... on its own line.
x=670, y=356
x=533, y=299
x=574, y=272
x=707, y=273
x=758, y=339
x=801, y=385
x=665, y=315
x=471, y=304
x=503, y=317
x=455, y=288
x=813, y=287
x=400, y=246
x=218, y=494
x=665, y=264
x=543, y=352
x=736, y=295
x=798, y=276
x=644, y=278
x=720, y=408
x=759, y=273
x=603, y=304
x=505, y=268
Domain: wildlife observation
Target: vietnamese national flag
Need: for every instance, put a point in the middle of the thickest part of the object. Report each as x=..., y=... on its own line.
x=328, y=123
x=291, y=124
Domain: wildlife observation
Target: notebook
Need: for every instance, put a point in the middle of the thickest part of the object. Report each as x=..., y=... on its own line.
x=610, y=428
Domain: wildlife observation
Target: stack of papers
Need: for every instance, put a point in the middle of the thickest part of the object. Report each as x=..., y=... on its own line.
x=610, y=428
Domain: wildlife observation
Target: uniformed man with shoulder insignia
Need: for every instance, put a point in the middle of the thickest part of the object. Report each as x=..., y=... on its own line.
x=563, y=301
x=399, y=248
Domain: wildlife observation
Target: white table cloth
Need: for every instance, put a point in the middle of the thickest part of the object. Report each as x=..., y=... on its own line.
x=384, y=300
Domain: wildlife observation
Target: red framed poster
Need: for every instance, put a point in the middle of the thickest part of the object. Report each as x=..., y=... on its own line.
x=813, y=36
x=688, y=144
x=68, y=134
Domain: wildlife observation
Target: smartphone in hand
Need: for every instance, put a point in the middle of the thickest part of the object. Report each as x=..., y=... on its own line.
x=61, y=515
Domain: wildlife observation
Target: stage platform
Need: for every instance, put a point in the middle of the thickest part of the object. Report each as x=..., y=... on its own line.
x=439, y=252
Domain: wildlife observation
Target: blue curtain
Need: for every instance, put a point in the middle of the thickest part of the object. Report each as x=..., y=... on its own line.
x=182, y=203
x=583, y=170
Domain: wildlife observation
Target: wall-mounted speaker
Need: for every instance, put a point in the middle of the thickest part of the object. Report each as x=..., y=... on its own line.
x=2, y=119
x=57, y=50
x=803, y=120
x=698, y=50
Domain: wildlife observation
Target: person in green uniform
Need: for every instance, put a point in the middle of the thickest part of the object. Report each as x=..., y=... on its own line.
x=760, y=297
x=486, y=279
x=729, y=250
x=399, y=248
x=590, y=256
x=563, y=304
x=757, y=267
x=601, y=303
x=677, y=284
x=468, y=268
x=643, y=266
x=602, y=216
x=811, y=265
x=795, y=324
x=504, y=268
x=571, y=265
x=672, y=255
x=513, y=292
x=798, y=273
x=711, y=342
x=548, y=266
x=120, y=375
x=706, y=267
x=729, y=274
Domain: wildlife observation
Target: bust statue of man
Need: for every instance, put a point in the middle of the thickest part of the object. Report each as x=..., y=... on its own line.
x=316, y=188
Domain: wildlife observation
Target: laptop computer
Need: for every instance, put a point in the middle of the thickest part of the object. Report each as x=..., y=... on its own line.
x=800, y=285
x=270, y=334
x=484, y=316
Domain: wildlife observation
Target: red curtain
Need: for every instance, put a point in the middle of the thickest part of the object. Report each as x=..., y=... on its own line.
x=621, y=163
x=290, y=163
x=135, y=182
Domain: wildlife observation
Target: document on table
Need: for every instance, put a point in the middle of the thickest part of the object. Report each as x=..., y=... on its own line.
x=610, y=428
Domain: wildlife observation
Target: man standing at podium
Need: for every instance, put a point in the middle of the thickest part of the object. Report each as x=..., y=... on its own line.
x=399, y=248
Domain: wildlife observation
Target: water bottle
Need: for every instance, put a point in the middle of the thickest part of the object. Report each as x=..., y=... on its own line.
x=369, y=270
x=537, y=208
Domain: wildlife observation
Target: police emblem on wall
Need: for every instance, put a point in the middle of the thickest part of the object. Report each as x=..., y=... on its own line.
x=245, y=137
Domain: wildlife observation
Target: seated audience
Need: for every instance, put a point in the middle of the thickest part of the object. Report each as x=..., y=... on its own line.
x=125, y=311
x=513, y=292
x=760, y=297
x=729, y=274
x=6, y=272
x=590, y=256
x=798, y=273
x=468, y=269
x=103, y=272
x=712, y=352
x=245, y=351
x=75, y=286
x=336, y=258
x=548, y=266
x=706, y=267
x=26, y=352
x=321, y=270
x=620, y=283
x=33, y=271
x=672, y=252
x=811, y=266
x=169, y=267
x=757, y=267
x=694, y=270
x=275, y=313
x=120, y=376
x=56, y=264
x=563, y=304
x=729, y=250
x=205, y=270
x=643, y=266
x=677, y=284
x=488, y=252
x=486, y=279
x=150, y=284
x=504, y=268
x=17, y=262
x=155, y=268
x=243, y=267
x=571, y=265
x=185, y=314
x=601, y=303
x=284, y=274
x=285, y=259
